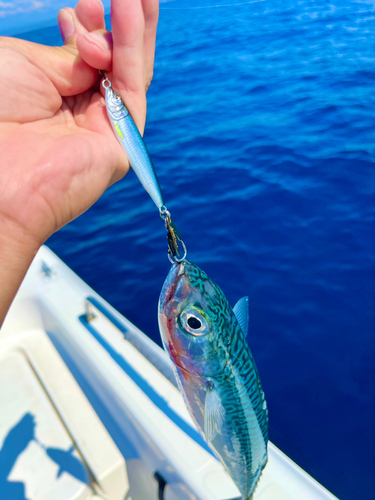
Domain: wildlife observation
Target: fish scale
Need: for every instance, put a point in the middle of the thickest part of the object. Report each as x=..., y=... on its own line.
x=215, y=369
x=241, y=357
x=250, y=375
x=243, y=423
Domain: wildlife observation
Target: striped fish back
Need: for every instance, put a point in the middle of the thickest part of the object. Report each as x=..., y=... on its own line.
x=242, y=444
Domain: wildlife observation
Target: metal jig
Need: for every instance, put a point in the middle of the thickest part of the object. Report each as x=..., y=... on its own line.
x=173, y=236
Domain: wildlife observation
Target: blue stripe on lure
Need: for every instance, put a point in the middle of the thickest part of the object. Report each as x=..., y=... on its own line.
x=131, y=140
x=215, y=370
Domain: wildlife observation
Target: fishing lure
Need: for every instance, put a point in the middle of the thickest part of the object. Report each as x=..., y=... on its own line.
x=131, y=140
x=215, y=371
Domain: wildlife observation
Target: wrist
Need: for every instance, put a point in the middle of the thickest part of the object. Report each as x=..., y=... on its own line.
x=17, y=250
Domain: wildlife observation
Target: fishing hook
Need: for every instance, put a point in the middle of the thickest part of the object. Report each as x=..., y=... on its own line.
x=173, y=237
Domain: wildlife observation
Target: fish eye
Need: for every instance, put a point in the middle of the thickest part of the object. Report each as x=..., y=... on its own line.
x=194, y=321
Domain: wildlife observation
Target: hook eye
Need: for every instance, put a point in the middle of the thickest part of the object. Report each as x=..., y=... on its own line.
x=106, y=83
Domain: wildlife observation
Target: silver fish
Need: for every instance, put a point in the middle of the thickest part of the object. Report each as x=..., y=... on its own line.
x=131, y=140
x=215, y=370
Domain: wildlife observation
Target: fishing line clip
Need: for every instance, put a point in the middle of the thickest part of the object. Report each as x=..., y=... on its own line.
x=173, y=237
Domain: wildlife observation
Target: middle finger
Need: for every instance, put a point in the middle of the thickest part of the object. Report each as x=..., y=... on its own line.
x=128, y=62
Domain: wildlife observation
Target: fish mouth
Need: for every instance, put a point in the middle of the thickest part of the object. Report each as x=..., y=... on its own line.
x=178, y=275
x=173, y=280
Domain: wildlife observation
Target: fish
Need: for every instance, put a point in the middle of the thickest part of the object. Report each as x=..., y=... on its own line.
x=215, y=371
x=131, y=140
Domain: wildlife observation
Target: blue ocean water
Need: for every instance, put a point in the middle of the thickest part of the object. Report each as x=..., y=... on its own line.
x=261, y=127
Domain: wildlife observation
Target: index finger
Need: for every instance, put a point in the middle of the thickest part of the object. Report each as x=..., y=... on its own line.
x=128, y=63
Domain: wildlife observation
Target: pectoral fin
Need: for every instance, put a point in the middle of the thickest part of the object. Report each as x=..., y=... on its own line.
x=214, y=413
x=241, y=311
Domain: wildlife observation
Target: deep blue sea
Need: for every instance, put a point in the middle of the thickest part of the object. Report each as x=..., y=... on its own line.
x=261, y=126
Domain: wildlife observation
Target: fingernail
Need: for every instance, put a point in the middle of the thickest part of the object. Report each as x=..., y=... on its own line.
x=66, y=24
x=100, y=40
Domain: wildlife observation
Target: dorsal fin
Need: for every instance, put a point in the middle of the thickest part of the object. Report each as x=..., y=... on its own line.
x=241, y=311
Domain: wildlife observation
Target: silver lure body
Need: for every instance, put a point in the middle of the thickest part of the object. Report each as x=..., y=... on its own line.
x=131, y=140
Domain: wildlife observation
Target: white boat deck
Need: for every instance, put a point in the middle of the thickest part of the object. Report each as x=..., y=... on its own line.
x=90, y=408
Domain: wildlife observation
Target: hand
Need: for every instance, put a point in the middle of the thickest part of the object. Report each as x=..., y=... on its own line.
x=58, y=152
